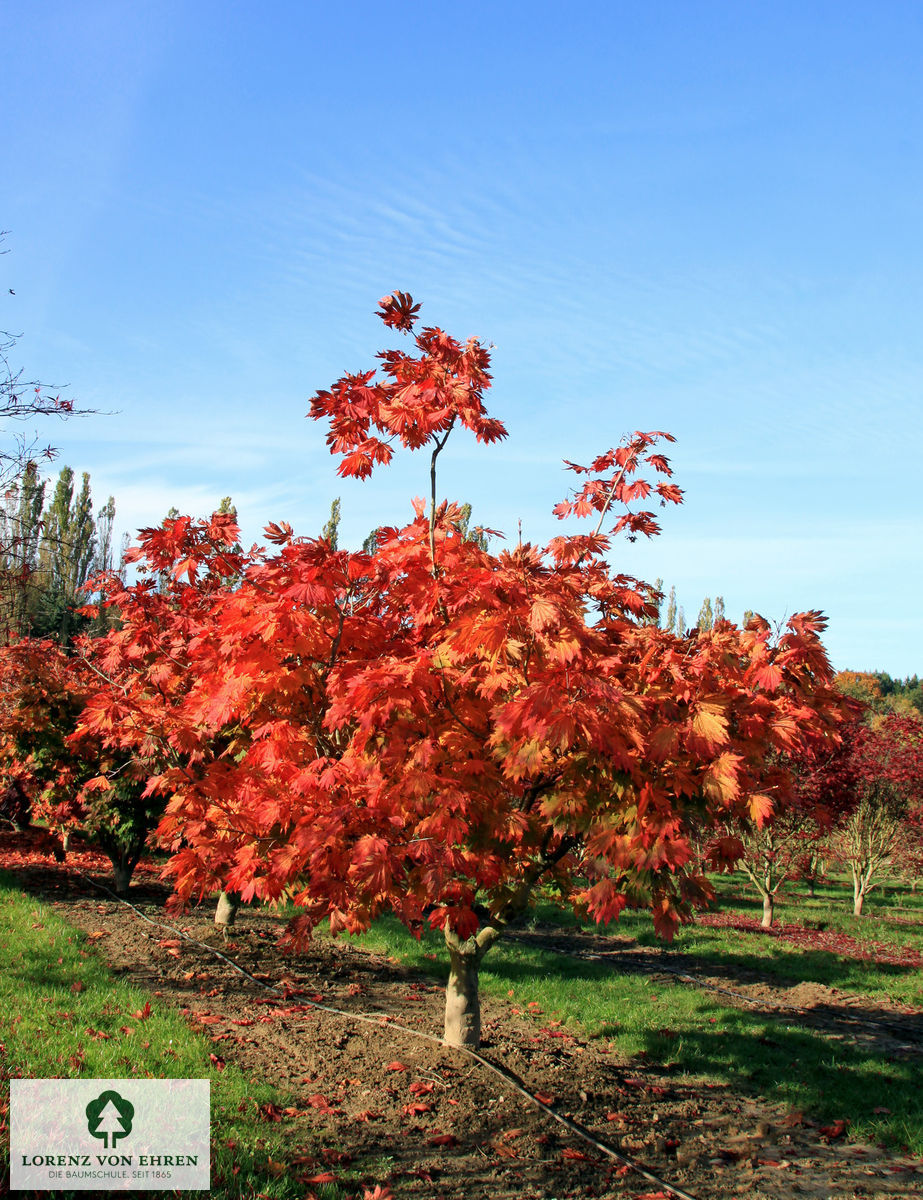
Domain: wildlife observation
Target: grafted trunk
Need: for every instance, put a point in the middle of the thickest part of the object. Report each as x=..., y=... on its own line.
x=769, y=909
x=462, y=999
x=226, y=912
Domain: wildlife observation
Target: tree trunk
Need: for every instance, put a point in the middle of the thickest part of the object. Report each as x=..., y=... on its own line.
x=858, y=898
x=122, y=873
x=769, y=908
x=65, y=840
x=226, y=912
x=462, y=1001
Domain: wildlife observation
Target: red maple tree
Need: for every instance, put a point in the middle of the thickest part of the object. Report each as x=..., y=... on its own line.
x=73, y=783
x=440, y=730
x=884, y=827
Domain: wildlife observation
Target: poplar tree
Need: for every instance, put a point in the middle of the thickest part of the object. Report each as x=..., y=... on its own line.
x=66, y=556
x=331, y=530
x=706, y=617
x=669, y=623
x=20, y=531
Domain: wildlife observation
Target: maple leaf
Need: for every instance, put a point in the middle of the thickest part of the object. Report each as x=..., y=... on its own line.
x=709, y=722
x=398, y=311
x=761, y=808
x=719, y=782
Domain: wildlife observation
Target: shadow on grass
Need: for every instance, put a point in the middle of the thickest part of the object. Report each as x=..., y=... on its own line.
x=826, y=1063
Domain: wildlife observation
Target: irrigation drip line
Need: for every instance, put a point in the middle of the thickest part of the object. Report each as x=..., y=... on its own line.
x=503, y=1073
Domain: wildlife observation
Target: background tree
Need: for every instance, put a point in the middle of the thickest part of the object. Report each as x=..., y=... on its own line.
x=66, y=556
x=21, y=402
x=331, y=530
x=20, y=534
x=669, y=622
x=74, y=784
x=706, y=617
x=822, y=798
x=882, y=694
x=886, y=766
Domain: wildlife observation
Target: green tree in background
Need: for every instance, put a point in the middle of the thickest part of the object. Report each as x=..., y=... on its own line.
x=331, y=530
x=67, y=555
x=20, y=533
x=669, y=623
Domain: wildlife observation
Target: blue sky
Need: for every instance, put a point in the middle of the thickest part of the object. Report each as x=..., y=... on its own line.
x=698, y=217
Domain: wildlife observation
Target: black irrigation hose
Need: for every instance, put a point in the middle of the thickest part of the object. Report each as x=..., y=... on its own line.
x=502, y=1072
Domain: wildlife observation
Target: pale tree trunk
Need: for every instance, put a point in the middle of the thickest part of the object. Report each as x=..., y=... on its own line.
x=858, y=895
x=462, y=999
x=769, y=908
x=226, y=912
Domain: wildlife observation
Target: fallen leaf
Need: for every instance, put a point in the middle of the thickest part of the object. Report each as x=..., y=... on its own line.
x=395, y=1066
x=443, y=1139
x=415, y=1109
x=340, y=1157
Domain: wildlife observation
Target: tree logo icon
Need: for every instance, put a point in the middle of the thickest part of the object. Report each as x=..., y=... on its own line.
x=109, y=1116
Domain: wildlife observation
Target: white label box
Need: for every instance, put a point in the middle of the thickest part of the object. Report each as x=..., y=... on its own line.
x=110, y=1134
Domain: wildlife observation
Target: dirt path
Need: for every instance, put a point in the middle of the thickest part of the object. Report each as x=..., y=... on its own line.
x=432, y=1122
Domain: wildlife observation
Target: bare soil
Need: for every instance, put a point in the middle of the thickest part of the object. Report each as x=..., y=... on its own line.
x=430, y=1122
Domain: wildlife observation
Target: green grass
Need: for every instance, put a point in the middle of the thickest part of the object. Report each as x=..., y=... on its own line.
x=734, y=952
x=64, y=1015
x=687, y=1032
x=692, y=1032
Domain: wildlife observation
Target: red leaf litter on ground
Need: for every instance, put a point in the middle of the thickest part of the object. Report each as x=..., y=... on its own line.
x=33, y=848
x=820, y=939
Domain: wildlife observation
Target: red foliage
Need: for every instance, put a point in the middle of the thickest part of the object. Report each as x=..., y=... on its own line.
x=434, y=728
